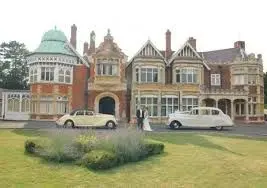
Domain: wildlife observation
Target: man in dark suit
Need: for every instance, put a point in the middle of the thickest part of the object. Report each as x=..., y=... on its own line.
x=140, y=118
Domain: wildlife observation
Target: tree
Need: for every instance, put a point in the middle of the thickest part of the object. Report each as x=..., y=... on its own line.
x=13, y=65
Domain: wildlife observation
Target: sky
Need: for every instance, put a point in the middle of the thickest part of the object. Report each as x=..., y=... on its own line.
x=216, y=24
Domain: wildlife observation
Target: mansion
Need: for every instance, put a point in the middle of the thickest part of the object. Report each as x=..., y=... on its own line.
x=102, y=79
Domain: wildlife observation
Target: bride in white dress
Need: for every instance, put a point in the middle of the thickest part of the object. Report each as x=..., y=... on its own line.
x=146, y=125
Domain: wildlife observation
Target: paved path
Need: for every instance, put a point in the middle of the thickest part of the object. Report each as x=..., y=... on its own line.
x=246, y=129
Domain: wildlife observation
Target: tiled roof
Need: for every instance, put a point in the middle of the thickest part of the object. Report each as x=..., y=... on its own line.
x=163, y=53
x=224, y=55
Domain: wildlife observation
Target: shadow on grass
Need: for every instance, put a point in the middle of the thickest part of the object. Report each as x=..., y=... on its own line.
x=189, y=138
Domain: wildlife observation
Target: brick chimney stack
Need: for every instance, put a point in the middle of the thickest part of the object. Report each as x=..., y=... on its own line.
x=85, y=48
x=73, y=37
x=193, y=42
x=240, y=44
x=168, y=49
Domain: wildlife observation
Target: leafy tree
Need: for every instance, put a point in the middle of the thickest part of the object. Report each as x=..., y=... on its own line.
x=13, y=65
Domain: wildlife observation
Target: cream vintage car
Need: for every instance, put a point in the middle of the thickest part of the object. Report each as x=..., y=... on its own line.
x=200, y=117
x=86, y=118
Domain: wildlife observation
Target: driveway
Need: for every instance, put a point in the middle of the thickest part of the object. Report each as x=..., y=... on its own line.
x=239, y=129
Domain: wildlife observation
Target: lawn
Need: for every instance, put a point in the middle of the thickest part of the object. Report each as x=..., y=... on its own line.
x=190, y=160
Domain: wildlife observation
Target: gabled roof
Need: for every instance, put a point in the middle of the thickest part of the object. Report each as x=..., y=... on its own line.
x=191, y=52
x=77, y=54
x=149, y=50
x=224, y=55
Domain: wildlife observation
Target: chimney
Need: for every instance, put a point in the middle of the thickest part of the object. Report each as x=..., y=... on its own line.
x=240, y=44
x=92, y=42
x=168, y=49
x=192, y=42
x=85, y=48
x=73, y=39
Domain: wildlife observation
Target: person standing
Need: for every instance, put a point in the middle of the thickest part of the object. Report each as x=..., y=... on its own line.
x=146, y=124
x=140, y=118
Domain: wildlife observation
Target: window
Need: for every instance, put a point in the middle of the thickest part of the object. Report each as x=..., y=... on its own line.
x=107, y=69
x=47, y=73
x=194, y=112
x=89, y=113
x=204, y=112
x=215, y=112
x=215, y=79
x=186, y=75
x=62, y=104
x=33, y=75
x=189, y=103
x=252, y=104
x=137, y=74
x=252, y=79
x=67, y=76
x=46, y=104
x=13, y=103
x=25, y=103
x=149, y=75
x=61, y=75
x=239, y=79
x=240, y=107
x=169, y=105
x=151, y=103
x=80, y=113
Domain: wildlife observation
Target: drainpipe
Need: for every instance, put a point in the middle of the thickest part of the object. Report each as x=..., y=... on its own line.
x=86, y=92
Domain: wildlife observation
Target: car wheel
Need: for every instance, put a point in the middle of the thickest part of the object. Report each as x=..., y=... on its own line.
x=69, y=124
x=219, y=128
x=111, y=125
x=175, y=125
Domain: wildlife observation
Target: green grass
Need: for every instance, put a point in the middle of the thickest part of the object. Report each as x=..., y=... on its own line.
x=190, y=160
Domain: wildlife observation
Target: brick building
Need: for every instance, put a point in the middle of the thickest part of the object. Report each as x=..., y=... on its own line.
x=163, y=80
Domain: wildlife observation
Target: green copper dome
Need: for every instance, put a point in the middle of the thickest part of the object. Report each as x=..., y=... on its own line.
x=54, y=42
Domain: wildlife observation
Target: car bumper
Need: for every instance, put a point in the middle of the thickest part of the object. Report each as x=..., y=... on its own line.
x=59, y=123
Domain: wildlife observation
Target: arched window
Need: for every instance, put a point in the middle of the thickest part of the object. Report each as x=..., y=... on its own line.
x=25, y=103
x=13, y=103
x=67, y=76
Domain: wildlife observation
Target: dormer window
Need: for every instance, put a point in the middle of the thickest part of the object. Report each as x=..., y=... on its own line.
x=186, y=75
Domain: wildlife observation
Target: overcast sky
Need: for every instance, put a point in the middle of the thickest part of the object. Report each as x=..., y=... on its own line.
x=215, y=24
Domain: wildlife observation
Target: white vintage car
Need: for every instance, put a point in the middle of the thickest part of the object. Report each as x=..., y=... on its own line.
x=200, y=117
x=86, y=118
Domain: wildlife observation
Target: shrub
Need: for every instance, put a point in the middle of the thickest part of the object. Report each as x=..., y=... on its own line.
x=34, y=146
x=29, y=146
x=85, y=142
x=99, y=159
x=152, y=148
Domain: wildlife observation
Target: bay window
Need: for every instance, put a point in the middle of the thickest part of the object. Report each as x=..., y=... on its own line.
x=33, y=75
x=215, y=79
x=107, y=67
x=186, y=75
x=238, y=80
x=151, y=103
x=169, y=105
x=46, y=104
x=62, y=105
x=188, y=103
x=252, y=104
x=47, y=73
x=149, y=75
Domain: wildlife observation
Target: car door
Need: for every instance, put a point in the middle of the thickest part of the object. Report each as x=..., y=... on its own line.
x=192, y=119
x=89, y=119
x=217, y=118
x=79, y=118
x=204, y=118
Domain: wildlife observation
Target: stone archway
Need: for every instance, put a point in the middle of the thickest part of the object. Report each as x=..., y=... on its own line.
x=107, y=105
x=209, y=102
x=107, y=95
x=225, y=106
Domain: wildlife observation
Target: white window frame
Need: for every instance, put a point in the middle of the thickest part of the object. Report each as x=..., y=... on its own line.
x=152, y=108
x=46, y=105
x=49, y=74
x=62, y=105
x=179, y=72
x=186, y=106
x=146, y=70
x=106, y=67
x=168, y=106
x=215, y=79
x=252, y=105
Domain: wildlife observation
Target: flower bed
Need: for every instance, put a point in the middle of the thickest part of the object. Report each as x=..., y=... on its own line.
x=95, y=151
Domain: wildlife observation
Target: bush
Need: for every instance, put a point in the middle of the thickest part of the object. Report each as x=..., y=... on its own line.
x=34, y=146
x=29, y=146
x=99, y=159
x=153, y=148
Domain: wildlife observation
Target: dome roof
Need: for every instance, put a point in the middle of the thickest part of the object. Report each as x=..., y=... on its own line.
x=54, y=35
x=54, y=42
